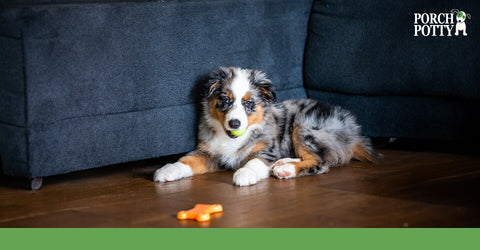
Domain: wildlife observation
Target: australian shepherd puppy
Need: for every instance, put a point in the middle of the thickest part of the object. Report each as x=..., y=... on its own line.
x=242, y=128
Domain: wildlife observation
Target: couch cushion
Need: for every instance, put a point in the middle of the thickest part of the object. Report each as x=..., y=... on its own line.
x=95, y=59
x=369, y=48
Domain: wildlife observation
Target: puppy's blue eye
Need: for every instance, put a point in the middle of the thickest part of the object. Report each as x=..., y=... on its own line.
x=249, y=105
x=224, y=100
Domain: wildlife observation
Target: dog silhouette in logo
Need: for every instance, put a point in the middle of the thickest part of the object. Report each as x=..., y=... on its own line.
x=461, y=16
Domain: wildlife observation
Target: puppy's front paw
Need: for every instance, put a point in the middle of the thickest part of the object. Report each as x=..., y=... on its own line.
x=284, y=161
x=245, y=177
x=172, y=172
x=284, y=170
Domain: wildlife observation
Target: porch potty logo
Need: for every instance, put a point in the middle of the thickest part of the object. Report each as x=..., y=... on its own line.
x=441, y=24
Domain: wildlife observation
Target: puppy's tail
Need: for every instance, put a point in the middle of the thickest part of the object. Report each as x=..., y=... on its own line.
x=363, y=151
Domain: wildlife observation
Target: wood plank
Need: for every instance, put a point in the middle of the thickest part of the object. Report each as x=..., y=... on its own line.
x=406, y=189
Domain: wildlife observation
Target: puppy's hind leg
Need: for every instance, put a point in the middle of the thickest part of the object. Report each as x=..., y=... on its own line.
x=317, y=155
x=309, y=161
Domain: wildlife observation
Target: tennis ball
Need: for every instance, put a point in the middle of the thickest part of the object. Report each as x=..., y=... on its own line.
x=238, y=132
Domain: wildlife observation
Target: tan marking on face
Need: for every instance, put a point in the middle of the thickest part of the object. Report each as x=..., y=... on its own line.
x=246, y=96
x=198, y=163
x=257, y=116
x=215, y=112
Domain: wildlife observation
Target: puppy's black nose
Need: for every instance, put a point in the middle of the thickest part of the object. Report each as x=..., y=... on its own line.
x=235, y=123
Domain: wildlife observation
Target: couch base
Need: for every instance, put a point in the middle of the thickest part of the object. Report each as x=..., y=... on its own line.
x=86, y=142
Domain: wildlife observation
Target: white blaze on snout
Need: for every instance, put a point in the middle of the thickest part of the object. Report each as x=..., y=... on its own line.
x=240, y=86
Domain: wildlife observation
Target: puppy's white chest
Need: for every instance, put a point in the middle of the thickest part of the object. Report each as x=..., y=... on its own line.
x=229, y=150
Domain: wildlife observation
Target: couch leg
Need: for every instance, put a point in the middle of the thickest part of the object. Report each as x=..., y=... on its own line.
x=36, y=183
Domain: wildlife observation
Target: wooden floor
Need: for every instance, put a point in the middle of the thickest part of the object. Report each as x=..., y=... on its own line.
x=409, y=188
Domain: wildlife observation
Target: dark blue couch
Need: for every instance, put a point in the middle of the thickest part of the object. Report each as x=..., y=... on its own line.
x=91, y=83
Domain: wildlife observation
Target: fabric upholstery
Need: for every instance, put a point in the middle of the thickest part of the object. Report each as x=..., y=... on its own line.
x=105, y=82
x=363, y=55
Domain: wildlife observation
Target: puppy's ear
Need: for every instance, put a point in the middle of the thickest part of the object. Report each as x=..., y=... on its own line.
x=215, y=80
x=264, y=85
x=209, y=87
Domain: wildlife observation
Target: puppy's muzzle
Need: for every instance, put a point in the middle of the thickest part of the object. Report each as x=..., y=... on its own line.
x=234, y=123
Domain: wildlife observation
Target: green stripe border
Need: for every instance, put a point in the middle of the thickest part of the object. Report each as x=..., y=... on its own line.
x=131, y=239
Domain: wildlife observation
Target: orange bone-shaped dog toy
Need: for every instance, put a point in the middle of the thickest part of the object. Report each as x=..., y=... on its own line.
x=200, y=212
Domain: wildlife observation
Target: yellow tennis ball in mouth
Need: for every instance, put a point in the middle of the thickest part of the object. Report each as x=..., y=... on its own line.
x=238, y=132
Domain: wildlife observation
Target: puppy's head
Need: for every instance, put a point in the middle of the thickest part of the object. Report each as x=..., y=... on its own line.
x=461, y=16
x=237, y=97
